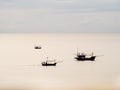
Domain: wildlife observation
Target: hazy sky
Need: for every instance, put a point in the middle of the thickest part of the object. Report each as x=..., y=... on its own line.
x=59, y=16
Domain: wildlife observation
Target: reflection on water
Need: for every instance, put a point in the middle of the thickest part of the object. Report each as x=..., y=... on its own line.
x=21, y=64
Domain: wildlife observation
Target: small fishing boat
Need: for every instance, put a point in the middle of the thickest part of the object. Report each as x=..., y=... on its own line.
x=50, y=62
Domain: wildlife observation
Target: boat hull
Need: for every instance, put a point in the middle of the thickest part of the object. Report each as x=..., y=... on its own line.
x=86, y=59
x=54, y=64
x=37, y=47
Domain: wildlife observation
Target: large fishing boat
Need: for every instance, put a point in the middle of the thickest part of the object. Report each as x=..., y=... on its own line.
x=84, y=57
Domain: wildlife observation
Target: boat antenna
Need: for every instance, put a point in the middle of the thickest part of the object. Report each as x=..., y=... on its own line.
x=92, y=54
x=77, y=51
x=47, y=59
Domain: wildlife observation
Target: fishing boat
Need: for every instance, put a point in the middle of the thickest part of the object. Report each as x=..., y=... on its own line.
x=50, y=62
x=37, y=47
x=84, y=57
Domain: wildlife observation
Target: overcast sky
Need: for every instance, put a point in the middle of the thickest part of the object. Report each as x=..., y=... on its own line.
x=59, y=16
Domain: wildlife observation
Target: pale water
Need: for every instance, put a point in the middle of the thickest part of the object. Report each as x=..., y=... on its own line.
x=21, y=69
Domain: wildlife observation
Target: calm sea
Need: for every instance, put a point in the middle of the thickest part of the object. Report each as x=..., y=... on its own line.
x=21, y=69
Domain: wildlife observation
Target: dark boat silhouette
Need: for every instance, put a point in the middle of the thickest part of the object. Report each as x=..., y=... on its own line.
x=50, y=62
x=84, y=57
x=37, y=47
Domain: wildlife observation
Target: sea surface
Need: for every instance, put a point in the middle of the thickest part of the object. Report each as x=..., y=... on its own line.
x=21, y=69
